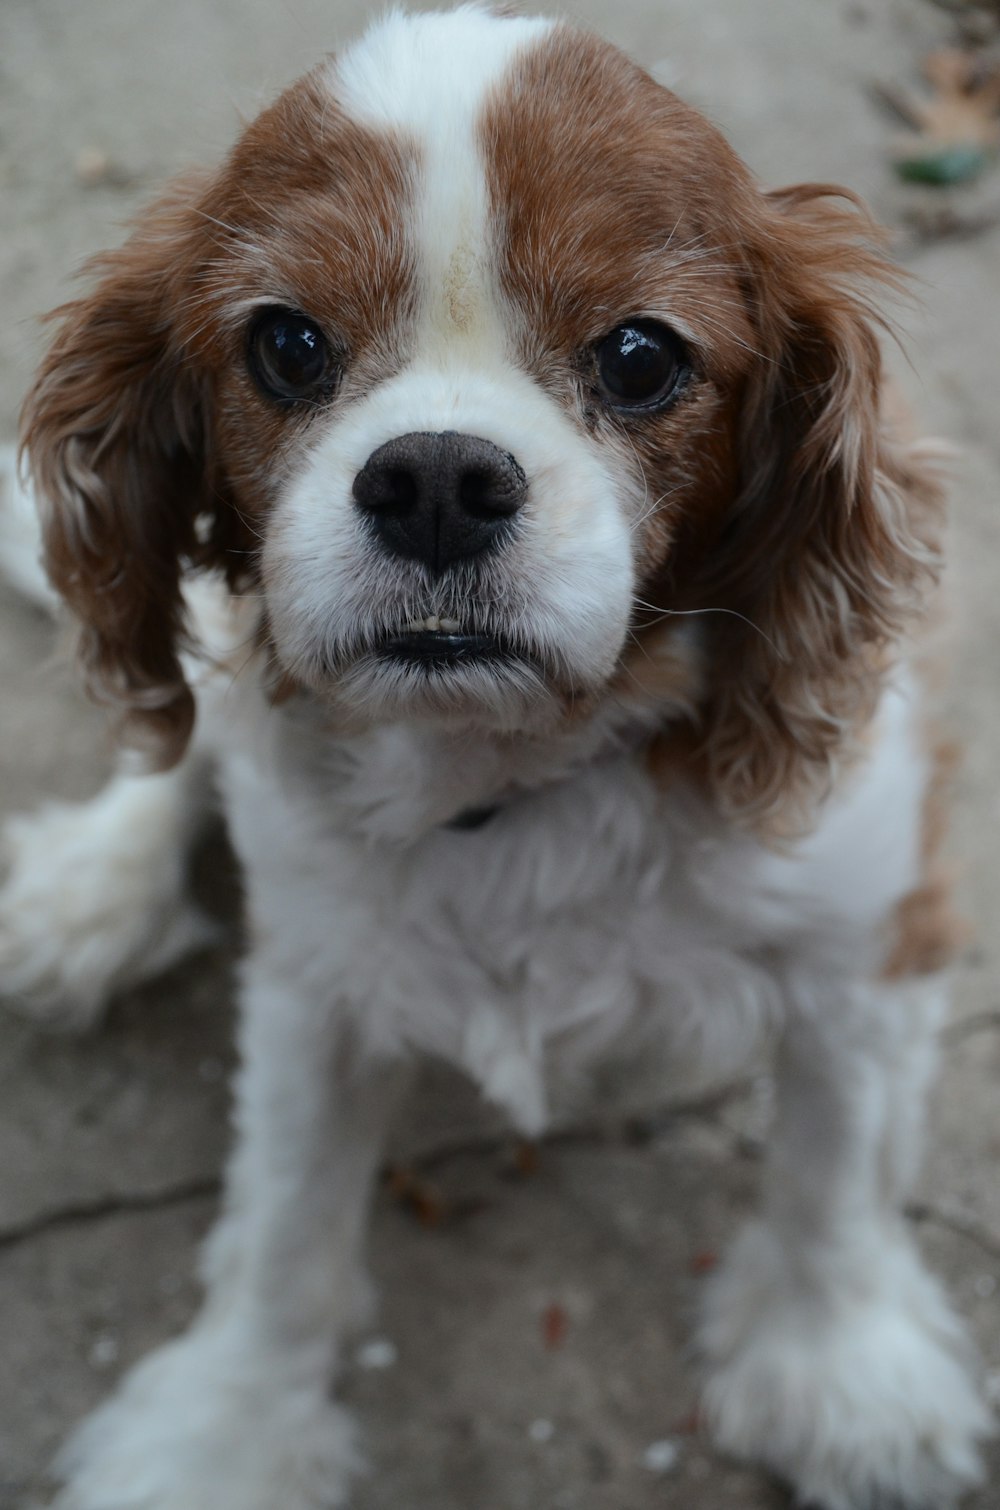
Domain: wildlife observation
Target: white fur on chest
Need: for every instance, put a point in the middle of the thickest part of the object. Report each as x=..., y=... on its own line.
x=590, y=918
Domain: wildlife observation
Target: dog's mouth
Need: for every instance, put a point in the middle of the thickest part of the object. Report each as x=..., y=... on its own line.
x=480, y=666
x=437, y=643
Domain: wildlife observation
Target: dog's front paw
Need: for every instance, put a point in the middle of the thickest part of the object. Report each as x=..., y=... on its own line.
x=863, y=1401
x=195, y=1428
x=90, y=906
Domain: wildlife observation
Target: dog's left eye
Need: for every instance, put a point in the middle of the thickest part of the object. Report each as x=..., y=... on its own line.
x=640, y=365
x=289, y=355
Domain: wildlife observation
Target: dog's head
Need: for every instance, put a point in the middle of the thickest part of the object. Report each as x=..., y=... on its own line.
x=482, y=360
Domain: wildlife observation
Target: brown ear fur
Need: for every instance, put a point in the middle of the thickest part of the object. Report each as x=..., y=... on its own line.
x=834, y=539
x=115, y=429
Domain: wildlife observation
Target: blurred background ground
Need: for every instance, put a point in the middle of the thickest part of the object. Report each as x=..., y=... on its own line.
x=531, y=1346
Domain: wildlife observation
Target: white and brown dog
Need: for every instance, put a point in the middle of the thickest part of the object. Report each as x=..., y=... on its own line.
x=510, y=481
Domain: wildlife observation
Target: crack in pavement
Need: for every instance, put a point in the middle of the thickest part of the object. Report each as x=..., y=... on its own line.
x=633, y=1132
x=81, y=1213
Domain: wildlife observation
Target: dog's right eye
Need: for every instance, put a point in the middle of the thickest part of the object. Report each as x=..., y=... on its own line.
x=289, y=356
x=641, y=365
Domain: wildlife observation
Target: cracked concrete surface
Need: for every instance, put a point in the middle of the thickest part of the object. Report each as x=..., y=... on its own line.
x=110, y=1148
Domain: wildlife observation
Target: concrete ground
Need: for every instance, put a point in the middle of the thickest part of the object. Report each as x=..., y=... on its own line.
x=538, y=1330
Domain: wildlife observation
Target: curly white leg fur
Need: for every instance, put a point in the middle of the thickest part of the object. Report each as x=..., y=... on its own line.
x=235, y=1415
x=832, y=1356
x=862, y=1400
x=201, y=1425
x=94, y=899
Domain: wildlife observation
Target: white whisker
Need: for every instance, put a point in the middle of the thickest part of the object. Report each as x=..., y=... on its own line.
x=690, y=613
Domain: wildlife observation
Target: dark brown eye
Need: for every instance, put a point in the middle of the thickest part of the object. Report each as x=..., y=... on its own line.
x=289, y=356
x=640, y=365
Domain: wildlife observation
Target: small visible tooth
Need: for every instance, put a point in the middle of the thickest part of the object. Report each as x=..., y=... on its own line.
x=414, y=626
x=432, y=622
x=450, y=626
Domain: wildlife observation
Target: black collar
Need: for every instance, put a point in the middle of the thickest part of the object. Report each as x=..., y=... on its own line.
x=472, y=818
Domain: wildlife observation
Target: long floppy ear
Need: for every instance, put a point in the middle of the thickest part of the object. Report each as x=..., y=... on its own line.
x=834, y=539
x=115, y=429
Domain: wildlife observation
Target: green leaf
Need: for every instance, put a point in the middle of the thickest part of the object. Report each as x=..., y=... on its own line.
x=944, y=165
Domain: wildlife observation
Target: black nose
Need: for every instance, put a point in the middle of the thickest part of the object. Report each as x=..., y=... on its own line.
x=439, y=498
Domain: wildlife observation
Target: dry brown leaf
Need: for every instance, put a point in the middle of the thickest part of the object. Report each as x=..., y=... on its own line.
x=963, y=107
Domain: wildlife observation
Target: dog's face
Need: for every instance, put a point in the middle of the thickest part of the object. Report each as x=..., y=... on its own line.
x=454, y=352
x=480, y=359
x=447, y=529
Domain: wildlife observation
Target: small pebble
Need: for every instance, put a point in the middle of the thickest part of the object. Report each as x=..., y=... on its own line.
x=541, y=1431
x=93, y=166
x=668, y=73
x=103, y=1352
x=378, y=1353
x=661, y=1457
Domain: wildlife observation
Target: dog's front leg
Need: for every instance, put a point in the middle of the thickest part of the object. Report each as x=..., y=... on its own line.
x=834, y=1356
x=235, y=1414
x=95, y=897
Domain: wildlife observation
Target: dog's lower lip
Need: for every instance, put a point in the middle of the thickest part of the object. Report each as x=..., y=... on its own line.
x=438, y=647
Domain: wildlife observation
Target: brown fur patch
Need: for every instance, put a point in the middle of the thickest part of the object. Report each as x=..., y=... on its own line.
x=612, y=199
x=144, y=417
x=926, y=932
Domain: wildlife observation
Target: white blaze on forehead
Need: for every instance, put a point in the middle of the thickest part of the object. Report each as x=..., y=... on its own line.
x=428, y=78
